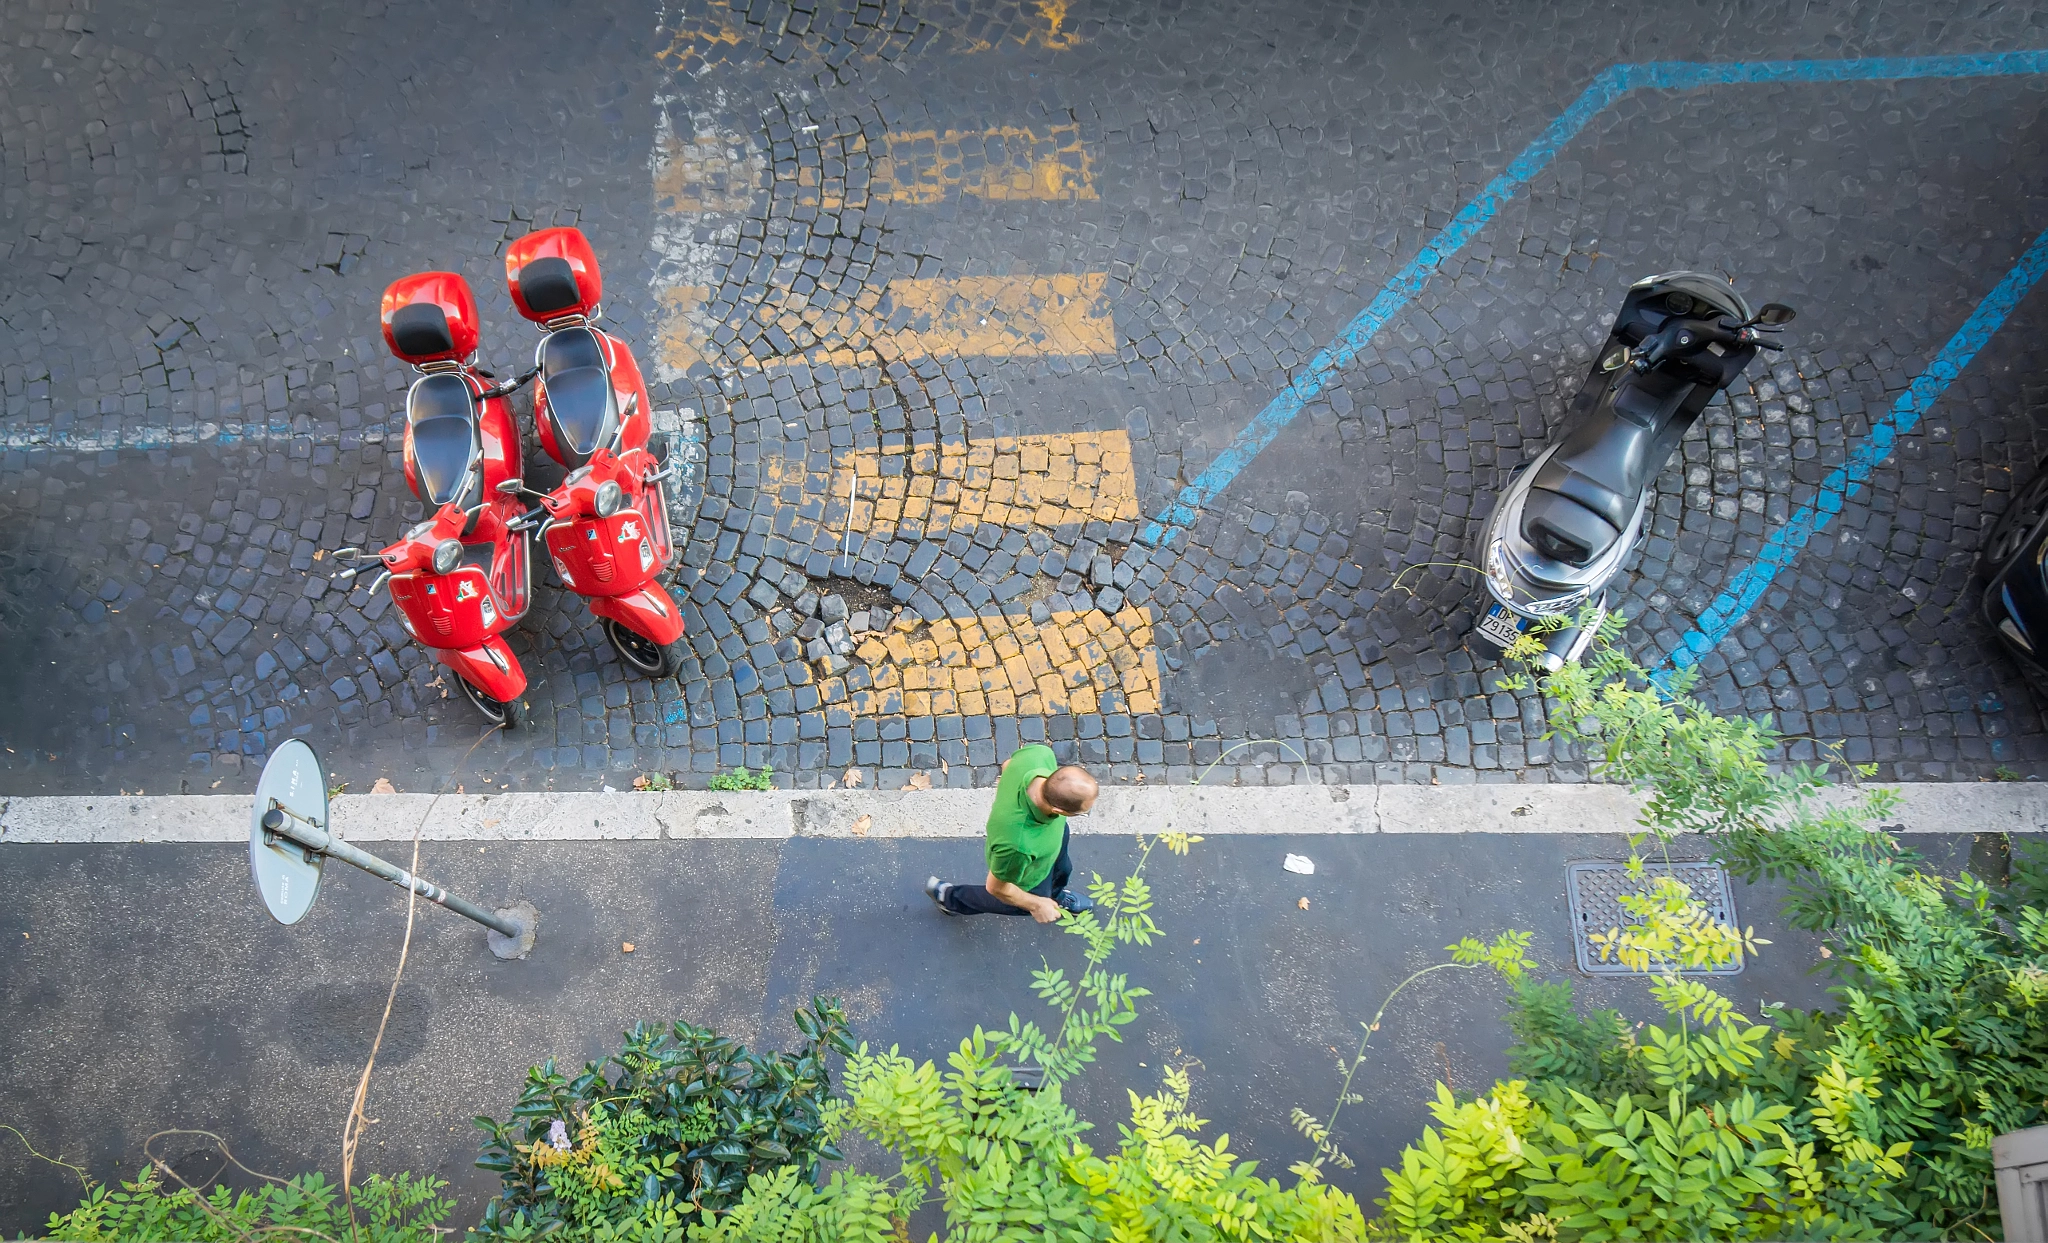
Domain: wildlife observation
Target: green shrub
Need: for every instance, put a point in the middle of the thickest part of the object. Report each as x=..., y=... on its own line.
x=670, y=1127
x=1007, y=1162
x=1872, y=1119
x=399, y=1209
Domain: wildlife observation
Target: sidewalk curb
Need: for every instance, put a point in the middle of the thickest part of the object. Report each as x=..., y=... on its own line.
x=693, y=815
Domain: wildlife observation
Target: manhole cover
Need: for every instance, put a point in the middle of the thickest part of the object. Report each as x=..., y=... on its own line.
x=1595, y=890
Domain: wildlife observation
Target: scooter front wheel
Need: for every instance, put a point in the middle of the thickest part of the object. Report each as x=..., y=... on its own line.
x=507, y=715
x=643, y=655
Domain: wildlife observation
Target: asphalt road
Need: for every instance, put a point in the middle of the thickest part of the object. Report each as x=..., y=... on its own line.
x=146, y=990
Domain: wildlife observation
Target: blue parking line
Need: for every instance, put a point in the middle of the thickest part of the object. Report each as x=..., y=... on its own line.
x=1732, y=605
x=1610, y=85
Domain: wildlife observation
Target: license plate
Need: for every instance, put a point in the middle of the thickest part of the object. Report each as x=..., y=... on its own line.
x=1501, y=626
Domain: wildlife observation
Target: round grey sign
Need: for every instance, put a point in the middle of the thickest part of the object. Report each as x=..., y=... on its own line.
x=287, y=874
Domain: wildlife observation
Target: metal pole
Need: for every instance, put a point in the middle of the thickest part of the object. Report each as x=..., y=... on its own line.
x=317, y=839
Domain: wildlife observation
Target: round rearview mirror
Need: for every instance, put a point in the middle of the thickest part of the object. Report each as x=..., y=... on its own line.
x=1775, y=313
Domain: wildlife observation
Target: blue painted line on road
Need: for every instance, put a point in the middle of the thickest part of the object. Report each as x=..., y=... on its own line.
x=1610, y=85
x=1785, y=543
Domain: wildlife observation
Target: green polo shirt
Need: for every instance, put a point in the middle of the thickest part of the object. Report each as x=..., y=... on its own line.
x=1022, y=845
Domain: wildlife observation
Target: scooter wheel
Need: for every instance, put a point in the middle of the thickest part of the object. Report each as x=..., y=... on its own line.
x=643, y=655
x=509, y=715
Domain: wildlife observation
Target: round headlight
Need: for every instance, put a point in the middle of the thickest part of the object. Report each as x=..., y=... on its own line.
x=611, y=498
x=447, y=555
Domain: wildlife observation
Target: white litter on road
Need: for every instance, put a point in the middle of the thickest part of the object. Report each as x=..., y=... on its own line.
x=1299, y=863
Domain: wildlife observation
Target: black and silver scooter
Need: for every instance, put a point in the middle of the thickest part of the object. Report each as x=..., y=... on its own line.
x=1569, y=518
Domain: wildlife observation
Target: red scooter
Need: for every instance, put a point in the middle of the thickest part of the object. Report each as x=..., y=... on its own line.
x=607, y=527
x=462, y=577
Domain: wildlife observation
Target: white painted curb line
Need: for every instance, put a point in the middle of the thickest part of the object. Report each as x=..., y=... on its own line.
x=692, y=815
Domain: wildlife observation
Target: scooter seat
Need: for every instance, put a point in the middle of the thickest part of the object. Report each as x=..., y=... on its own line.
x=581, y=406
x=442, y=415
x=1562, y=529
x=1595, y=479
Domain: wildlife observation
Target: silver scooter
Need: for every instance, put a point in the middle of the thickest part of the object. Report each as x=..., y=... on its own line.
x=1569, y=518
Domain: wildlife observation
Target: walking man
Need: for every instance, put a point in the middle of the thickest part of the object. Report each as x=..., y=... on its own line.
x=1028, y=866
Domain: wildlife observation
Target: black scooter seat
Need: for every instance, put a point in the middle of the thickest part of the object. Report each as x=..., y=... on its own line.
x=442, y=414
x=1585, y=494
x=579, y=387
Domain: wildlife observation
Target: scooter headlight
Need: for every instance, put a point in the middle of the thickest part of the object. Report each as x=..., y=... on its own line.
x=447, y=555
x=611, y=498
x=1497, y=571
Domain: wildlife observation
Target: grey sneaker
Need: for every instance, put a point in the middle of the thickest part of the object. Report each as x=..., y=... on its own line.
x=1073, y=903
x=936, y=890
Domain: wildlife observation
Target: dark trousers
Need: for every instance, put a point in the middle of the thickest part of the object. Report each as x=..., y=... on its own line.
x=977, y=900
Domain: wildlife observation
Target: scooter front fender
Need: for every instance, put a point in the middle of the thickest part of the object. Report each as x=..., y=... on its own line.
x=490, y=666
x=648, y=612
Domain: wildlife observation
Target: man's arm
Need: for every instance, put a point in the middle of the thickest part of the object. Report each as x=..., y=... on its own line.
x=1044, y=910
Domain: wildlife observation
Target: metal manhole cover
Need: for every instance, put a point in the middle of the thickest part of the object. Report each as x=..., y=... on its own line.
x=1595, y=889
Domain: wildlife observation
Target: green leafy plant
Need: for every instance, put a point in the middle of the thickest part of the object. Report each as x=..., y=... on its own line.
x=669, y=1129
x=741, y=779
x=994, y=1140
x=1869, y=1119
x=402, y=1208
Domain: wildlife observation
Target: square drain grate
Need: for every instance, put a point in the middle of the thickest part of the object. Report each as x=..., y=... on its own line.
x=1595, y=889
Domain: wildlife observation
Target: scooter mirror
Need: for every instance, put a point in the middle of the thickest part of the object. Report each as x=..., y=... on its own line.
x=1774, y=314
x=512, y=487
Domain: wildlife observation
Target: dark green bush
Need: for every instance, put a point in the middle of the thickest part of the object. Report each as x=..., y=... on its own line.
x=659, y=1134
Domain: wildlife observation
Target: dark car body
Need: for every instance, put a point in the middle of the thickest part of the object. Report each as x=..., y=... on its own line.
x=2014, y=565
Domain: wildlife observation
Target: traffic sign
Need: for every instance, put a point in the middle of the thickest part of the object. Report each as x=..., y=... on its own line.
x=290, y=840
x=287, y=874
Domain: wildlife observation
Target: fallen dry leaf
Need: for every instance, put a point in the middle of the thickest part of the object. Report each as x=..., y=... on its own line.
x=862, y=825
x=383, y=786
x=918, y=781
x=852, y=778
x=626, y=947
x=640, y=782
x=944, y=767
x=1303, y=904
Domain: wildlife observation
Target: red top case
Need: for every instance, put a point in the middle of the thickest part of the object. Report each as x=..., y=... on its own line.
x=553, y=274
x=430, y=317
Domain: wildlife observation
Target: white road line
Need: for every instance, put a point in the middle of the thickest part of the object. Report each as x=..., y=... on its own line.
x=1212, y=811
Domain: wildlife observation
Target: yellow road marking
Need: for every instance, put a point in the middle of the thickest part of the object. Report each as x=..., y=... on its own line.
x=1000, y=662
x=1004, y=163
x=683, y=338
x=704, y=173
x=708, y=32
x=1006, y=665
x=1042, y=481
x=968, y=316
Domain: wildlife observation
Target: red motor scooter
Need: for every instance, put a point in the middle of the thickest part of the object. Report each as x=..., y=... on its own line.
x=607, y=527
x=462, y=577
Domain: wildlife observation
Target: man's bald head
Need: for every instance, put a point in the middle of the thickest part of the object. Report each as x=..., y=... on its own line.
x=1070, y=790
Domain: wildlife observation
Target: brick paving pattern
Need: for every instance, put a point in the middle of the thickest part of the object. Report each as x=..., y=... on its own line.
x=947, y=298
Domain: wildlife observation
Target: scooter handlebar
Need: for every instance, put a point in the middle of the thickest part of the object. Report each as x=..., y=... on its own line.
x=510, y=386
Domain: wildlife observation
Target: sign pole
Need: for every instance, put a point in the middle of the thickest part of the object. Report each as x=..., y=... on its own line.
x=282, y=823
x=289, y=840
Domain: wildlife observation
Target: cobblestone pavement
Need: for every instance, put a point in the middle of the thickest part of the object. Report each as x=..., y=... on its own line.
x=948, y=298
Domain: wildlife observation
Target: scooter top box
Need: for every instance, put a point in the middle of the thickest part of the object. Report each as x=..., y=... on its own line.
x=430, y=317
x=553, y=275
